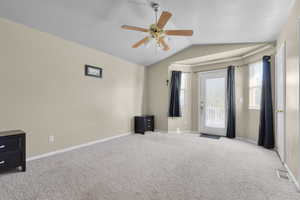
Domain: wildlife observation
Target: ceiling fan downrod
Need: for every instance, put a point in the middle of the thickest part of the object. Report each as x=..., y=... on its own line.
x=155, y=7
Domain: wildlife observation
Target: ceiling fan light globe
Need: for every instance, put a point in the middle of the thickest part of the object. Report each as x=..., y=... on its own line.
x=148, y=43
x=151, y=43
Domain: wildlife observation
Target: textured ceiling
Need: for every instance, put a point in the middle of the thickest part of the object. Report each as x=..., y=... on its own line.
x=96, y=23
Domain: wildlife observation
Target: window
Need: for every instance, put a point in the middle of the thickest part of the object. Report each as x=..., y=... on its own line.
x=183, y=90
x=255, y=84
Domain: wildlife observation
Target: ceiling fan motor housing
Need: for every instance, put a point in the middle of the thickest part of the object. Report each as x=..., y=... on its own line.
x=155, y=31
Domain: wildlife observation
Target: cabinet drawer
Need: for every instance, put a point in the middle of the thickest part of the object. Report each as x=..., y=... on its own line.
x=10, y=160
x=9, y=145
x=148, y=124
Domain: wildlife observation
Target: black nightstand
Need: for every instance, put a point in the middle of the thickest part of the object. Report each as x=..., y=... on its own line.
x=143, y=123
x=12, y=150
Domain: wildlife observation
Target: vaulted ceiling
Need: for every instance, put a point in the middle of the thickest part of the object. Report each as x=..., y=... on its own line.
x=96, y=23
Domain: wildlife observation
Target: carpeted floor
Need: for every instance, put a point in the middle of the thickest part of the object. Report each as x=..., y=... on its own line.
x=153, y=167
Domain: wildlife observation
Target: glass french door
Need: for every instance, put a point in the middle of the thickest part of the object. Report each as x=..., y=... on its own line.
x=212, y=104
x=280, y=100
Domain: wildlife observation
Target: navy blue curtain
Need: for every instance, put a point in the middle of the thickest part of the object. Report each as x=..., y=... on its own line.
x=230, y=133
x=174, y=108
x=266, y=128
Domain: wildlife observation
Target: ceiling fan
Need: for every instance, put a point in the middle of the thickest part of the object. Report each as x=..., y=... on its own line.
x=156, y=31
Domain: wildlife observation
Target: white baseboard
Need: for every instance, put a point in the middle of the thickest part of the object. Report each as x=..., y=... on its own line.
x=181, y=131
x=292, y=177
x=246, y=140
x=160, y=131
x=75, y=147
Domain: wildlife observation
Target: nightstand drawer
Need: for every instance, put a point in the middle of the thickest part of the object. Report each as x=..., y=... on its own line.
x=9, y=145
x=10, y=160
x=12, y=150
x=144, y=123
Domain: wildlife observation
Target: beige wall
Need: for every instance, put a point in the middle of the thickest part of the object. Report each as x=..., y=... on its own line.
x=157, y=74
x=290, y=35
x=44, y=91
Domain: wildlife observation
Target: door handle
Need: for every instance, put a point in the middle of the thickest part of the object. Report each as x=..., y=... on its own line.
x=202, y=105
x=279, y=111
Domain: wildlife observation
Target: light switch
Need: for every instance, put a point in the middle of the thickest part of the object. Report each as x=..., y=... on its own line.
x=51, y=139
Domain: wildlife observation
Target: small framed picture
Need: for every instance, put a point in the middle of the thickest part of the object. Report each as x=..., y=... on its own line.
x=93, y=71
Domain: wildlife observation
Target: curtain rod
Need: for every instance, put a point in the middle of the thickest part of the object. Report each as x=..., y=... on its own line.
x=205, y=70
x=237, y=66
x=186, y=72
x=210, y=70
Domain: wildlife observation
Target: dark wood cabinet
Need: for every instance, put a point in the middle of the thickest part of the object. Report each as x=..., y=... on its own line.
x=12, y=150
x=143, y=123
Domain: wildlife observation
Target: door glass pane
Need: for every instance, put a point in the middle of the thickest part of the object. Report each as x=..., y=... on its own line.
x=215, y=102
x=182, y=99
x=183, y=81
x=280, y=82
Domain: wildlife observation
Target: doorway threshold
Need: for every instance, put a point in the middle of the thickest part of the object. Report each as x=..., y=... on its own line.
x=216, y=137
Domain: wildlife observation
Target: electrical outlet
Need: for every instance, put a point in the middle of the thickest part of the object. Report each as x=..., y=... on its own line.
x=51, y=139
